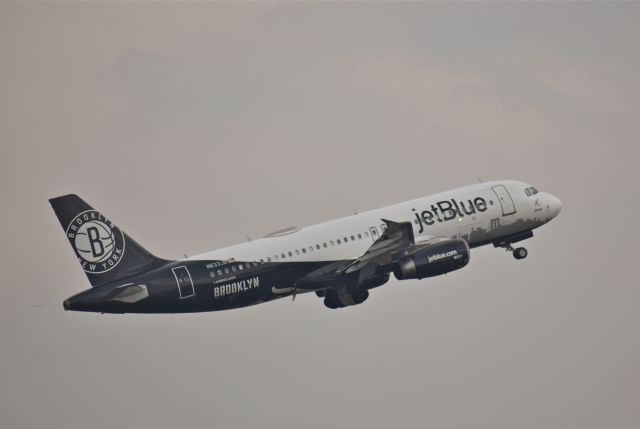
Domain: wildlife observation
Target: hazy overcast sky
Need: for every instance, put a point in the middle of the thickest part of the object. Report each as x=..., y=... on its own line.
x=193, y=125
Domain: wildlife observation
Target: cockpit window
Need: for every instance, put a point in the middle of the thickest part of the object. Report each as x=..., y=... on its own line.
x=528, y=192
x=534, y=190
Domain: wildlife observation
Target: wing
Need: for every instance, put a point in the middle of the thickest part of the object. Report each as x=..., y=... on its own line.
x=396, y=242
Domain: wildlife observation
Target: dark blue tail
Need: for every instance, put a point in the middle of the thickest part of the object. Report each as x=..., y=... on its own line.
x=103, y=250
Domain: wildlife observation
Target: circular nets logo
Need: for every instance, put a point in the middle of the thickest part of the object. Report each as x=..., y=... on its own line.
x=98, y=243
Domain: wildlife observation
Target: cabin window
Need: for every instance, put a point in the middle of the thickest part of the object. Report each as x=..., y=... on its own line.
x=240, y=267
x=262, y=261
x=353, y=238
x=269, y=259
x=366, y=234
x=290, y=254
x=297, y=252
x=275, y=257
x=338, y=241
x=346, y=239
x=332, y=243
x=282, y=255
x=359, y=236
x=219, y=272
x=304, y=250
x=318, y=246
x=226, y=270
x=324, y=245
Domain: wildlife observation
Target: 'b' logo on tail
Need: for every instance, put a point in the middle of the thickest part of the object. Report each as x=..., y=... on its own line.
x=98, y=243
x=97, y=247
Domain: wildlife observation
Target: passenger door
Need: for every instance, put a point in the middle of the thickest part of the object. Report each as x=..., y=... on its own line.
x=183, y=279
x=508, y=208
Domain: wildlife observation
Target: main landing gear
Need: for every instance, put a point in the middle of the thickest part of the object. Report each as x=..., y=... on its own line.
x=518, y=252
x=334, y=300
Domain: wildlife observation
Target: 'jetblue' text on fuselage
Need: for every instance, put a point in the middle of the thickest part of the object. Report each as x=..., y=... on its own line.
x=447, y=210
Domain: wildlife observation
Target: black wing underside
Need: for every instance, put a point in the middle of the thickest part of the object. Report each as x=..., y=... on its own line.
x=396, y=242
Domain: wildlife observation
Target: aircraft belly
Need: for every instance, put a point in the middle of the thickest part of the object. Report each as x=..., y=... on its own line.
x=252, y=285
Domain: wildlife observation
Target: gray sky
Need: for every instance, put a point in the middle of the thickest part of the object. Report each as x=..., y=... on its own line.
x=193, y=125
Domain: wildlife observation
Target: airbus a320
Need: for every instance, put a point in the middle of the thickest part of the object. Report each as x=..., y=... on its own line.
x=340, y=260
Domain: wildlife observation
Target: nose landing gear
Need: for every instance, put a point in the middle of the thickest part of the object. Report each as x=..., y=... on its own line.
x=507, y=244
x=518, y=252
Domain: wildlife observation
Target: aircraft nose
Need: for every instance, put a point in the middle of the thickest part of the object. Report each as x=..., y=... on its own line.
x=554, y=205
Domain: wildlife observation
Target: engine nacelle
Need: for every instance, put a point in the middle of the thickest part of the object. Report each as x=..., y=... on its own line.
x=434, y=260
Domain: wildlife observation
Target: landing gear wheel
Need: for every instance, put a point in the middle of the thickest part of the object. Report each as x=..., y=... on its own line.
x=331, y=300
x=331, y=303
x=360, y=296
x=520, y=253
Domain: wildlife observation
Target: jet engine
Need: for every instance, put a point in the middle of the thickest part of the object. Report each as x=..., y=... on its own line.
x=439, y=258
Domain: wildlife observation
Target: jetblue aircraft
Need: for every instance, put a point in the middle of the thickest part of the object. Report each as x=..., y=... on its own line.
x=340, y=260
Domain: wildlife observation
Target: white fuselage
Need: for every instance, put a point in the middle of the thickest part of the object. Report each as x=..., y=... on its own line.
x=480, y=213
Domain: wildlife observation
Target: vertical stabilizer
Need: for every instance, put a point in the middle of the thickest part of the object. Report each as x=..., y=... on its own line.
x=104, y=251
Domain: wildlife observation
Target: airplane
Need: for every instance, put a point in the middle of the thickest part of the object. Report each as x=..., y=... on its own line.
x=340, y=260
